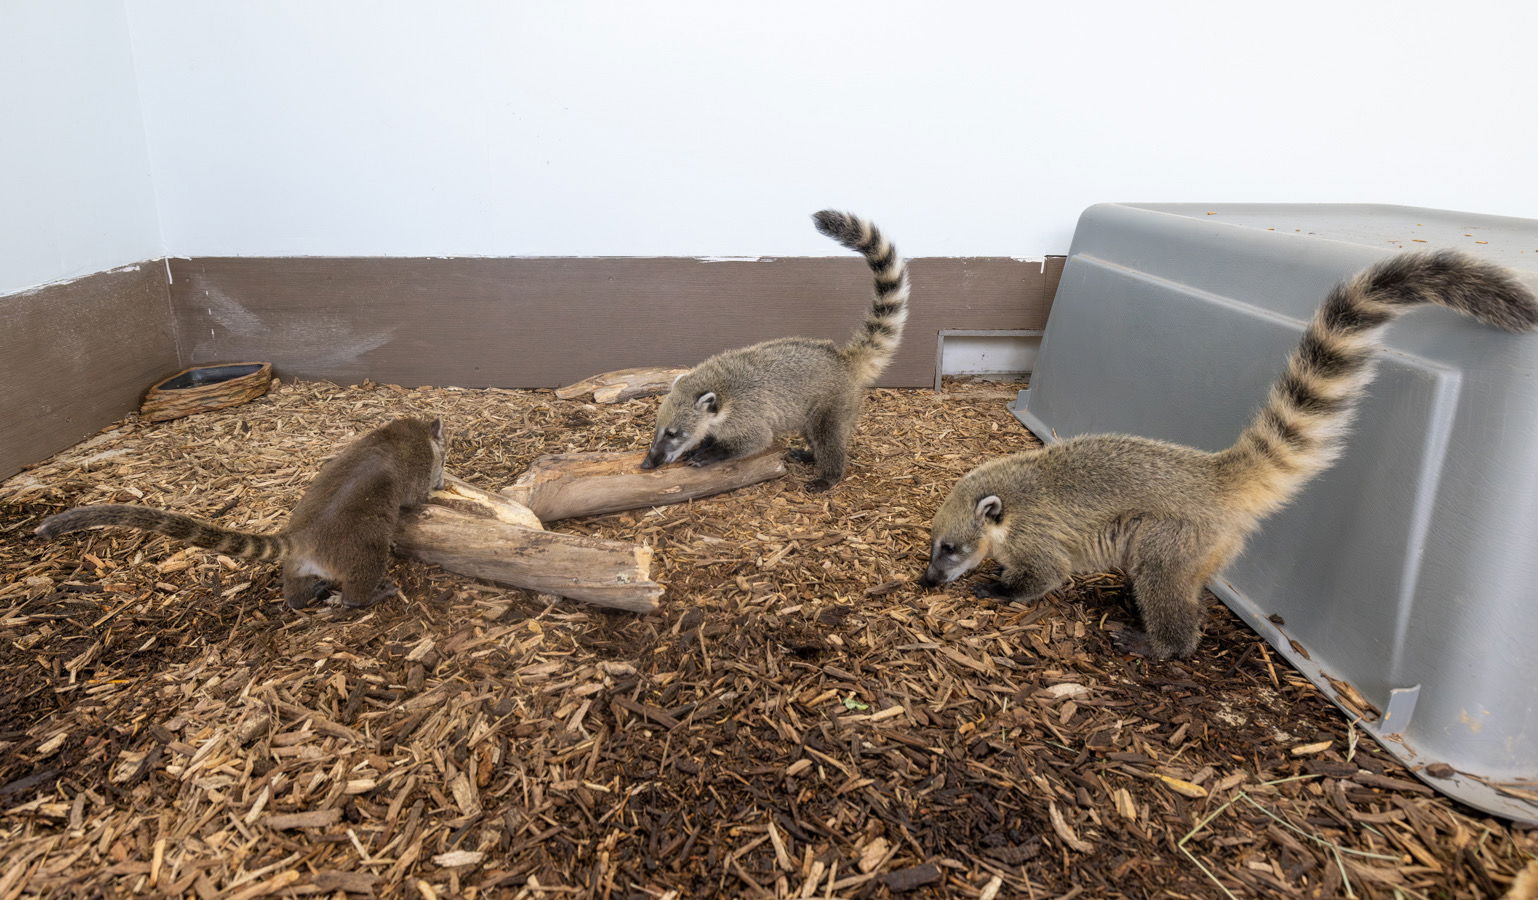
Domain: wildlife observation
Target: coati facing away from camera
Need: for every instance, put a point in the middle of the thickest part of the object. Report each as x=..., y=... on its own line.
x=1172, y=516
x=340, y=533
x=735, y=403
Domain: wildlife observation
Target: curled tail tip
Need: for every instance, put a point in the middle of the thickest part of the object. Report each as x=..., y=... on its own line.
x=846, y=228
x=1475, y=286
x=1509, y=303
x=1512, y=305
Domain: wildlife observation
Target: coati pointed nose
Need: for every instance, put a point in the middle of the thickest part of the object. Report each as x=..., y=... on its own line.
x=930, y=579
x=650, y=462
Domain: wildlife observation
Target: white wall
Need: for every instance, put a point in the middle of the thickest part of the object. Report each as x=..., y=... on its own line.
x=494, y=127
x=75, y=190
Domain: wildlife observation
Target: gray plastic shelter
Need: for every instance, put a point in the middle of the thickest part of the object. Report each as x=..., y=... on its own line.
x=1408, y=571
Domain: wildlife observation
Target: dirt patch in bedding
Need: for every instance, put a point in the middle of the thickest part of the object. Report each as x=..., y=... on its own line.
x=800, y=720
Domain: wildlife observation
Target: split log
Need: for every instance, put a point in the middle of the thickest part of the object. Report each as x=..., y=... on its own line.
x=463, y=497
x=567, y=485
x=589, y=569
x=617, y=387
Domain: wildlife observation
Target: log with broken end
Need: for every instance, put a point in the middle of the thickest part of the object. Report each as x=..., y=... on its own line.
x=622, y=385
x=477, y=533
x=567, y=485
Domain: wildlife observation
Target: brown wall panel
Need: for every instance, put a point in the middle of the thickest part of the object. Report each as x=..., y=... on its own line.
x=542, y=322
x=76, y=356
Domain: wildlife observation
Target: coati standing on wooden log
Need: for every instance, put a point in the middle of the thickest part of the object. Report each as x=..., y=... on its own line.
x=735, y=403
x=340, y=533
x=1171, y=516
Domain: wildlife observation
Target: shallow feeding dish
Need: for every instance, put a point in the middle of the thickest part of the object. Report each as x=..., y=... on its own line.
x=204, y=388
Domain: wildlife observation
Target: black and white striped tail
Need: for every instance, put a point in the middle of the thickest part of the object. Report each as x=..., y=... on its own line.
x=1300, y=430
x=871, y=348
x=173, y=525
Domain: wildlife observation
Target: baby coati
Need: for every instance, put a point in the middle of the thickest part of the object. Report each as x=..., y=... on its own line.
x=1171, y=516
x=735, y=403
x=339, y=535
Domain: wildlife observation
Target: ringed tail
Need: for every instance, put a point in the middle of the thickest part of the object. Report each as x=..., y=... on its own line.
x=1300, y=430
x=173, y=525
x=875, y=342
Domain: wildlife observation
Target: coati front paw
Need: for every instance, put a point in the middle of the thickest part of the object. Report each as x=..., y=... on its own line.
x=992, y=590
x=385, y=591
x=1136, y=642
x=706, y=454
x=316, y=593
x=800, y=456
x=820, y=485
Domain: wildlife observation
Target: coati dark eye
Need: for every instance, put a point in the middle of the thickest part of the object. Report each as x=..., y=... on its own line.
x=948, y=549
x=670, y=433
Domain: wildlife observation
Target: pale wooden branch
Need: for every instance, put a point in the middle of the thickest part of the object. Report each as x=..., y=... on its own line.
x=589, y=569
x=567, y=485
x=619, y=386
x=461, y=496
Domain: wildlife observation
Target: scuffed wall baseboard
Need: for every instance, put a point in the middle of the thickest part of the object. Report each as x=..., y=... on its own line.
x=519, y=323
x=76, y=356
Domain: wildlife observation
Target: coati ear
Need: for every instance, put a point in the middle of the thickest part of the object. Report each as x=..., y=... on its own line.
x=706, y=402
x=676, y=379
x=990, y=508
x=435, y=429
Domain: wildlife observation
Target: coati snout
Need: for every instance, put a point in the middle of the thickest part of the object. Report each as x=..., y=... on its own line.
x=960, y=537
x=683, y=426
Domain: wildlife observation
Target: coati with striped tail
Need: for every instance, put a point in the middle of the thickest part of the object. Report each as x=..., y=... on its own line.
x=338, y=536
x=735, y=403
x=1172, y=516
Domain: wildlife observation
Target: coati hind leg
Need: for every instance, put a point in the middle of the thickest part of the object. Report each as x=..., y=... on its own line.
x=1169, y=601
x=1168, y=568
x=828, y=432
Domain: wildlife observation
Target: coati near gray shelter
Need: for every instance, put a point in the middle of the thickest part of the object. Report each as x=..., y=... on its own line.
x=735, y=403
x=338, y=536
x=1171, y=516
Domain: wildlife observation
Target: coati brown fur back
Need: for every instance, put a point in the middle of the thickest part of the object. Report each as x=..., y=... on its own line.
x=1171, y=516
x=338, y=536
x=735, y=403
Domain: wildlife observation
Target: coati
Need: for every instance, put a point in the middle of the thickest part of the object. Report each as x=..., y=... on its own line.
x=339, y=535
x=1171, y=516
x=735, y=403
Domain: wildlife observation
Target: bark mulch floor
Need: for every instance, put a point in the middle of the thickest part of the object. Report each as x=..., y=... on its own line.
x=799, y=721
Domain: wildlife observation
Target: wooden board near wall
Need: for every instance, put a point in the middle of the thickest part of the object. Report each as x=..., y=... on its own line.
x=506, y=322
x=77, y=355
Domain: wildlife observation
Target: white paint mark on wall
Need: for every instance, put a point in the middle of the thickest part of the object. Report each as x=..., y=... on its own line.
x=324, y=340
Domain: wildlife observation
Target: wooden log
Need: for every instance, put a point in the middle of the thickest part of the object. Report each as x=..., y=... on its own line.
x=622, y=385
x=589, y=569
x=567, y=485
x=463, y=497
x=203, y=388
